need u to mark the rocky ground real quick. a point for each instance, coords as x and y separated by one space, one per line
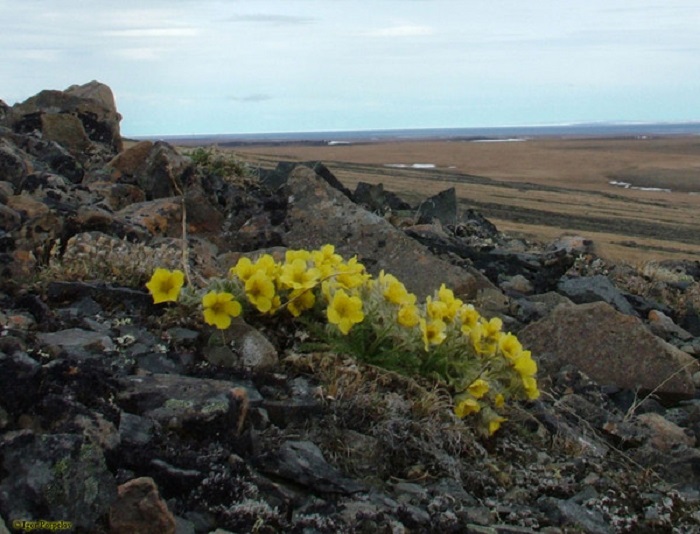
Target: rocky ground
117 415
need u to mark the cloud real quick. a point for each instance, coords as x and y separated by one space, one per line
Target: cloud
253 97
273 19
153 32
139 54
404 30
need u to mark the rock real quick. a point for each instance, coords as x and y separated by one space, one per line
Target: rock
572 244
92 104
156 168
139 509
302 462
78 343
594 289
664 435
252 350
194 405
664 327
319 214
517 284
57 476
612 348
14 165
442 207
374 198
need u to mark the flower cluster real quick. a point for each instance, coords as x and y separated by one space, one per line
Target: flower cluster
378 321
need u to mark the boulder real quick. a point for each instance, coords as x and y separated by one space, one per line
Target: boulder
612 348
157 168
139 509
442 207
91 104
319 214
594 289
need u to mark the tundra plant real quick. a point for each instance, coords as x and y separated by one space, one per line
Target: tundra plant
375 319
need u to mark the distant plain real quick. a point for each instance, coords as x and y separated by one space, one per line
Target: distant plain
538 188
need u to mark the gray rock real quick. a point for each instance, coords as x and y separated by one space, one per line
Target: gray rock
135 430
442 207
190 404
303 463
77 342
595 289
612 348
54 476
570 514
318 214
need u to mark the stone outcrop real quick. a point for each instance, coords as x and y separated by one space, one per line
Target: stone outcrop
319 214
124 416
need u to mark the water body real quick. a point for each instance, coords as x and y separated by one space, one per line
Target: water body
495 134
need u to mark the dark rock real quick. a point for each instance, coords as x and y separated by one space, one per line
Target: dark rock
442 207
302 462
376 199
595 289
320 215
54 476
14 166
195 405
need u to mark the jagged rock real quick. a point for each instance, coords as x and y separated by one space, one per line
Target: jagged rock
664 327
302 462
92 104
612 348
139 509
14 166
157 168
375 198
251 350
57 476
319 214
442 207
190 404
79 343
594 289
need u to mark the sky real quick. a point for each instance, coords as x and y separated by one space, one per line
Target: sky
181 67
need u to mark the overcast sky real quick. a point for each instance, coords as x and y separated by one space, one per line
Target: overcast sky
244 66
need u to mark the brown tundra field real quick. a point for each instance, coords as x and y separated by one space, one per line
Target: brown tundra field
539 188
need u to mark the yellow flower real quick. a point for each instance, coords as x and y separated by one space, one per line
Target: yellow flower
296 275
495 424
467 406
492 327
509 346
394 291
408 316
469 317
299 301
345 311
326 256
483 345
243 269
260 291
478 388
452 305
433 332
436 309
219 308
165 285
499 400
351 274
524 364
267 264
292 255
530 385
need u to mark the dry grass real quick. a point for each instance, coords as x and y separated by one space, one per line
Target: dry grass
541 188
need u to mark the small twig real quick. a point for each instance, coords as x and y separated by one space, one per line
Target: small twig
185 246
